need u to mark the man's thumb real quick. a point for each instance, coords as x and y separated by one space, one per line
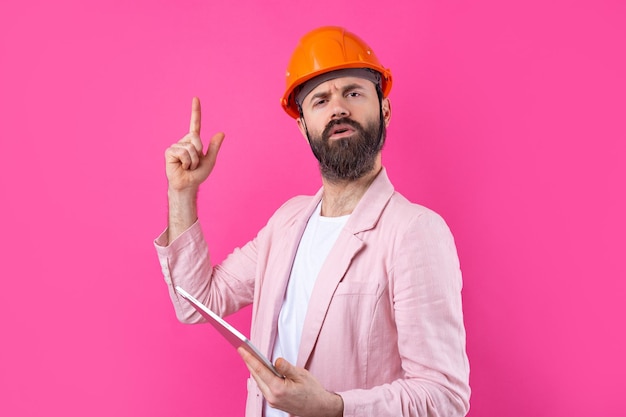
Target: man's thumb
214 145
284 367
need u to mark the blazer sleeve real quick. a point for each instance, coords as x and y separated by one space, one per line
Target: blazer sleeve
425 286
224 288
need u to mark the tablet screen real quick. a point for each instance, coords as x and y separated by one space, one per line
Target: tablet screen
234 336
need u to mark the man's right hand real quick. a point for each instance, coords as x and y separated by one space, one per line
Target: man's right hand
186 167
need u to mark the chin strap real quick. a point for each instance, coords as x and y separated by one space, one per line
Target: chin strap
381 127
306 130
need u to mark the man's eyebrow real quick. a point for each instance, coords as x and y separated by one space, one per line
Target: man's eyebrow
319 94
353 86
326 93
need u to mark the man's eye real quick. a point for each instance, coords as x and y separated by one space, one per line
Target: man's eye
353 94
318 102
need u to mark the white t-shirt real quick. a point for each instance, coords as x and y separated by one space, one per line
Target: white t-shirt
318 239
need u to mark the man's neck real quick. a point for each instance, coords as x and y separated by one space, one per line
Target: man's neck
340 198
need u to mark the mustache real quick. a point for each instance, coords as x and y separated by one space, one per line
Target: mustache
343 121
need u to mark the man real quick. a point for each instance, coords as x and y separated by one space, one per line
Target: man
356 292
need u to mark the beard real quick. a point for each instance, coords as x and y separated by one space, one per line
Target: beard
348 158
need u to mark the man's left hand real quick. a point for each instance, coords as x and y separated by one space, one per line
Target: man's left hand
299 393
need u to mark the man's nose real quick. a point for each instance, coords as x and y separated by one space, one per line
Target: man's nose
339 108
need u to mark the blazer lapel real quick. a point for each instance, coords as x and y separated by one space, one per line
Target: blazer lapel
272 290
348 244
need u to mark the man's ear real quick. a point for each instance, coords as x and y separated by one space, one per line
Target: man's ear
386 111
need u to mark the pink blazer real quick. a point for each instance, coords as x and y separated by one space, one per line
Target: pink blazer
384 327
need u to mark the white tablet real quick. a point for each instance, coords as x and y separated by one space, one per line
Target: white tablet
234 336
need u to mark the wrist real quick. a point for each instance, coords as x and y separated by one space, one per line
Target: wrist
183 211
337 405
186 195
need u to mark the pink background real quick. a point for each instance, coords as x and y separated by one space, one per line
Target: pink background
509 120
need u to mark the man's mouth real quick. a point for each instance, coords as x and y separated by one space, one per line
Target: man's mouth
341 131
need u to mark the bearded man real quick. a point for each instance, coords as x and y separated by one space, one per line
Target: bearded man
356 291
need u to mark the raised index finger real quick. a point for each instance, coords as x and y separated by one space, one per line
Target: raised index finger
194 123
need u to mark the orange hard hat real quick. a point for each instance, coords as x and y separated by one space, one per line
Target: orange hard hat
326 49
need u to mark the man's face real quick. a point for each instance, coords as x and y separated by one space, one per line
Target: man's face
342 119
